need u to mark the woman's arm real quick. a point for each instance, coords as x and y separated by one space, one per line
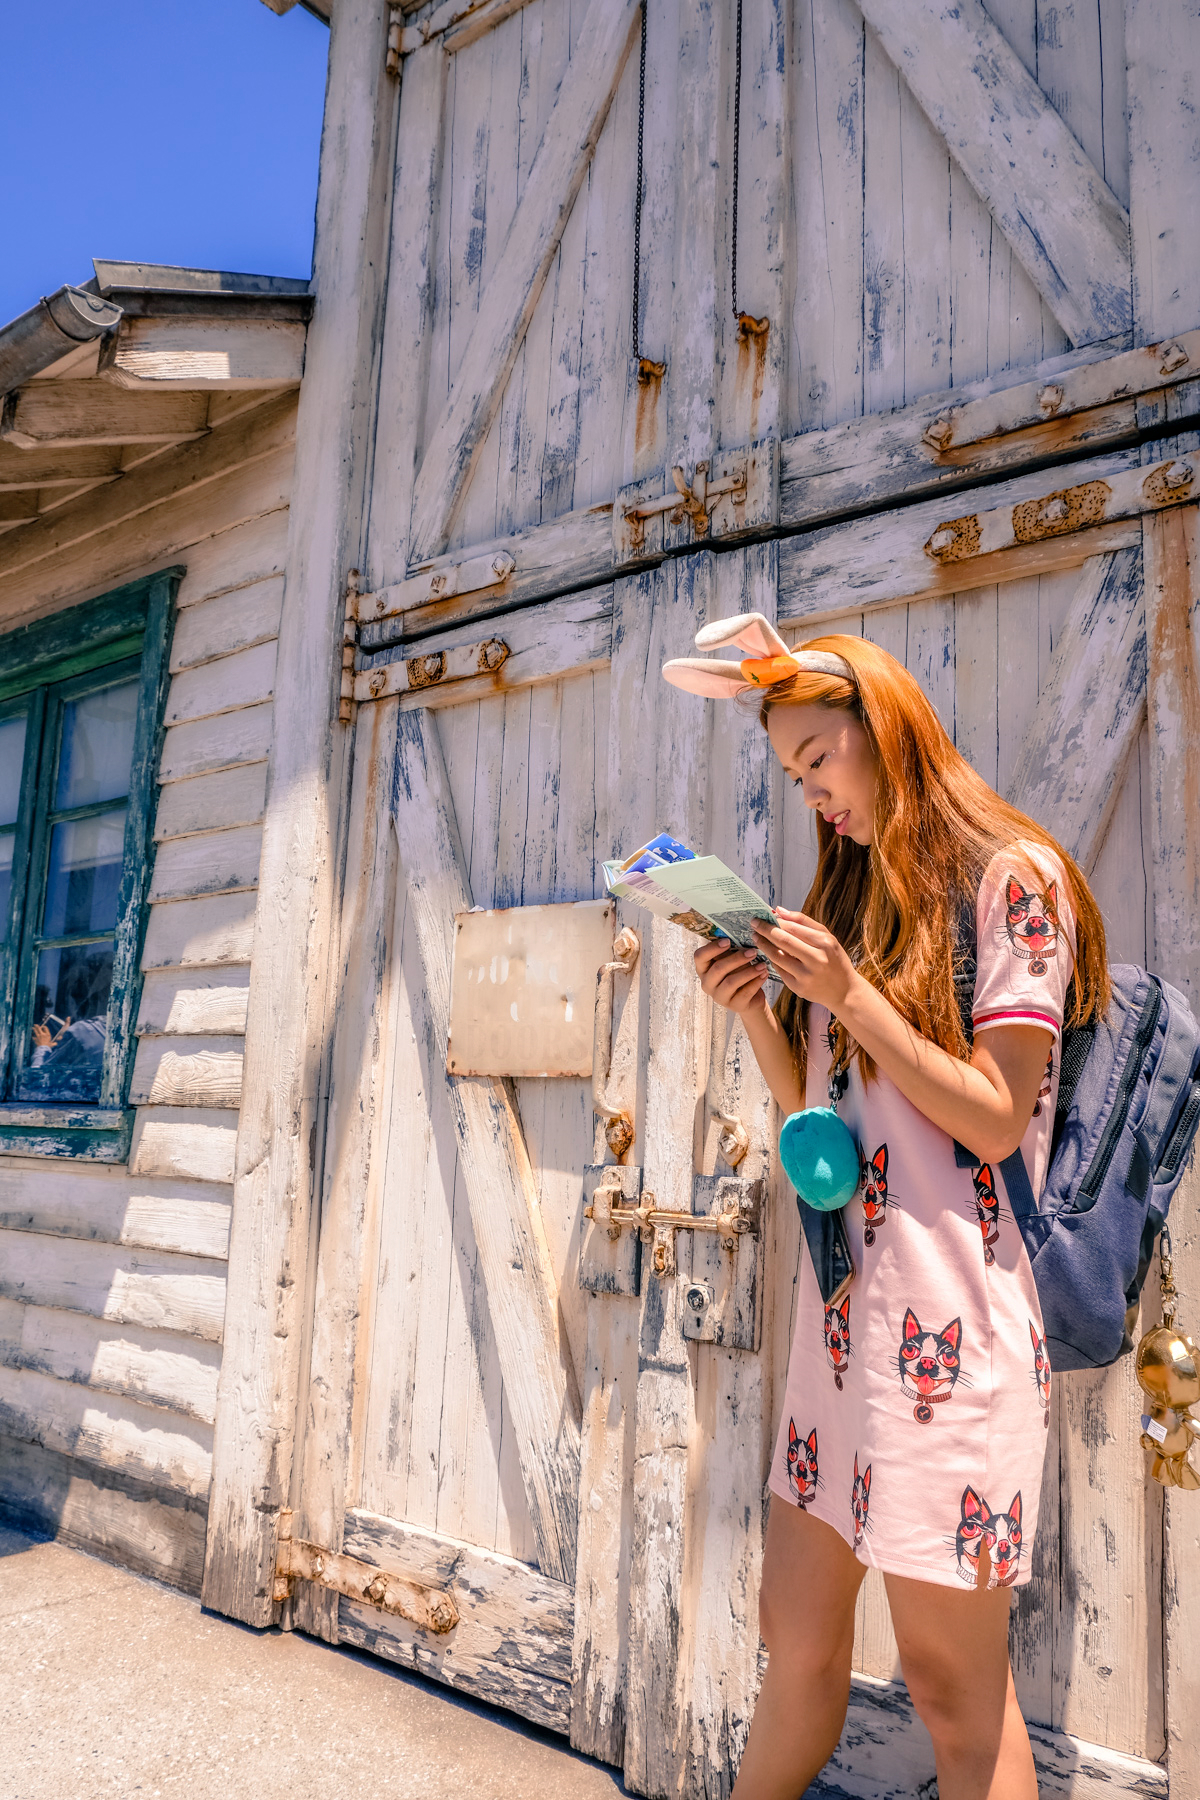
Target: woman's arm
735 980
986 1104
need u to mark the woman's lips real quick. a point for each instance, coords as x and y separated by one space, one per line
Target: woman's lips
838 820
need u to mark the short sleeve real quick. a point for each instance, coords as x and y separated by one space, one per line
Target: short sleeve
1025 935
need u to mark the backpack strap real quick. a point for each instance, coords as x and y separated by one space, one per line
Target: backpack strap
1168 1086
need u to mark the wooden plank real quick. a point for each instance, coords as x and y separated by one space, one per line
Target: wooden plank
347 1278
187 1142
231 355
162 1449
404 360
884 1754
506 306
204 746
125 1521
665 786
211 862
1089 711
512 1646
235 474
147 1288
522 1302
194 1003
253 551
184 1071
231 621
226 685
1068 229
68 415
211 802
24 469
218 929
869 562
113 1207
1161 56
286 1030
155 1367
1171 547
545 644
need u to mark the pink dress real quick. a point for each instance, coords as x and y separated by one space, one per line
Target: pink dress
915 1413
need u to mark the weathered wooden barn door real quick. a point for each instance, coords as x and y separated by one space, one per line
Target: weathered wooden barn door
507 1408
585 442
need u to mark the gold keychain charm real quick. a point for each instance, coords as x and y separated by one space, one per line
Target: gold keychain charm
1168 1371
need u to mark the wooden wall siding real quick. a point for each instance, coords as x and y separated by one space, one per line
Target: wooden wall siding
437 1443
112 1281
983 657
884 274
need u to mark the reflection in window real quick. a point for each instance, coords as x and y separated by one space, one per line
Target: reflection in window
12 757
84 858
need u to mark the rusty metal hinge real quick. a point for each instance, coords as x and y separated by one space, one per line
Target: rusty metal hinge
736 491
431 1608
436 669
349 645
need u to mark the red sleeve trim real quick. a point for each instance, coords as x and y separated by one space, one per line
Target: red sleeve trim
1018 1016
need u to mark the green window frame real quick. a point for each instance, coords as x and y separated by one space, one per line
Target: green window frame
122 636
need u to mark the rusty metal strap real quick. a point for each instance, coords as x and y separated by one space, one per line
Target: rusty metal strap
433 1609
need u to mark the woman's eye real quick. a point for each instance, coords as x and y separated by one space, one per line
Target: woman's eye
818 762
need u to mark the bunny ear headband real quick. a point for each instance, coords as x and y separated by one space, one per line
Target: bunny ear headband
766 661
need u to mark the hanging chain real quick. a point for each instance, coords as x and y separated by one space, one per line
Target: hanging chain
737 148
1167 1279
637 205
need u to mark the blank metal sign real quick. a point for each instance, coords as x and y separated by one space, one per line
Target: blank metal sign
523 988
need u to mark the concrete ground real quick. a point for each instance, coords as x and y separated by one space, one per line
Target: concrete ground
113 1687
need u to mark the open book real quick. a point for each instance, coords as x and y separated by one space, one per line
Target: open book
700 892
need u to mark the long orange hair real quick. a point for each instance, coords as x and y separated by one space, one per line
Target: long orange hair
896 905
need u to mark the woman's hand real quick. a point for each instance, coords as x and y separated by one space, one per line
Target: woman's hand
733 978
808 957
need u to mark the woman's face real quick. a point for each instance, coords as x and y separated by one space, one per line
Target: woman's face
828 753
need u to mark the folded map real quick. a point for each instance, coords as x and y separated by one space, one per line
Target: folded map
699 892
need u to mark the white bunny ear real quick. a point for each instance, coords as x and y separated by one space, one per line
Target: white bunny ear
710 676
753 634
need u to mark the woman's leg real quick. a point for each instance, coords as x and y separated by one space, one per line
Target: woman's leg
954 1656
806 1617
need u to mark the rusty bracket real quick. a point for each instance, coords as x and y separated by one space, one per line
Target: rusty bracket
349 645
618 1124
658 1225
694 500
437 669
433 1609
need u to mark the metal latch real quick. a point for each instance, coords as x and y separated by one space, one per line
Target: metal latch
433 1609
658 1225
693 500
618 1124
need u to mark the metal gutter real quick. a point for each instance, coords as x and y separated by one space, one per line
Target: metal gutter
57 324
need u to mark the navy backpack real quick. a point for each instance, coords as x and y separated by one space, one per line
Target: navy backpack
1124 1124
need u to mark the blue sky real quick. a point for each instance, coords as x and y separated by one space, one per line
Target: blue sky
173 131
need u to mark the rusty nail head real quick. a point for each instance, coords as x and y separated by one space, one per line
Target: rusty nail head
377 683
503 565
437 584
1178 474
1173 357
938 434
1051 397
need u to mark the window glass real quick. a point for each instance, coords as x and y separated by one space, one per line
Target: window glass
12 758
83 877
6 863
70 1011
96 746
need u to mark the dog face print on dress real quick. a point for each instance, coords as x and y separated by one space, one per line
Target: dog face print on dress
1041 1370
860 1501
929 1363
837 1339
1032 923
875 1193
1003 1533
802 1465
968 1540
987 1207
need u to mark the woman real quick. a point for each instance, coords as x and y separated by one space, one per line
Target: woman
914 1420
